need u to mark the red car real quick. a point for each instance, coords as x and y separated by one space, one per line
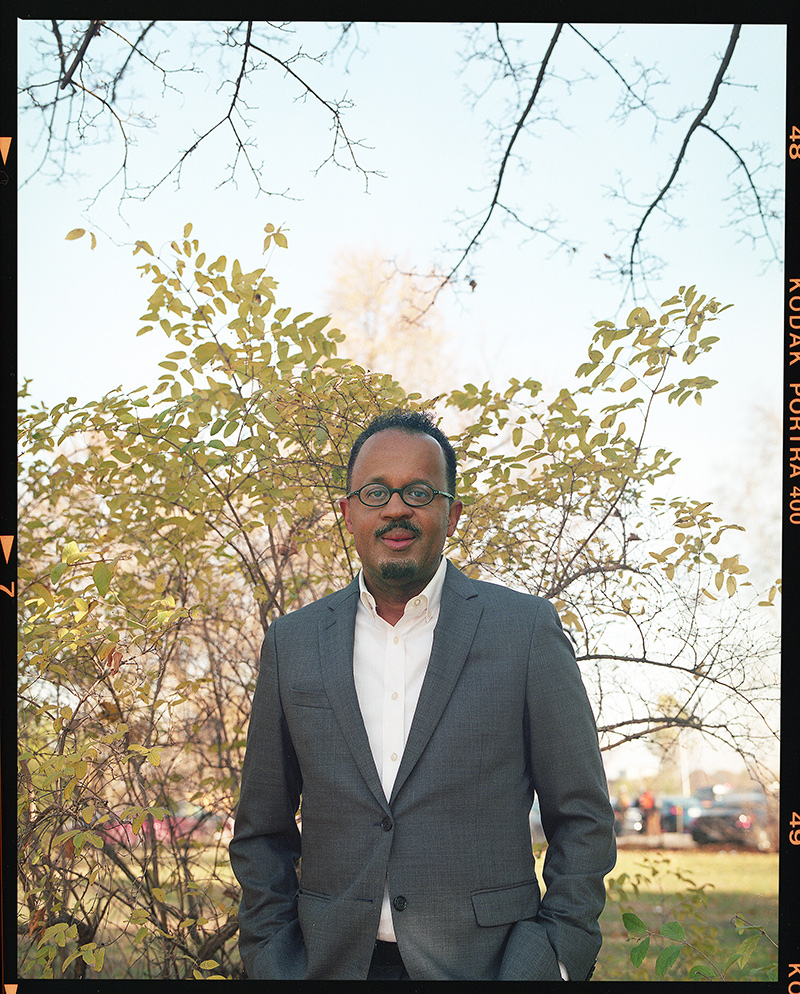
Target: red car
187 824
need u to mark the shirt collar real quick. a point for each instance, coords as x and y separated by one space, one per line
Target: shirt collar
426 602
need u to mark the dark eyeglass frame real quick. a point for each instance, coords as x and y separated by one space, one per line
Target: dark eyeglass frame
399 490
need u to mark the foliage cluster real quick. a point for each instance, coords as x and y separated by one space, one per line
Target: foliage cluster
688 945
163 531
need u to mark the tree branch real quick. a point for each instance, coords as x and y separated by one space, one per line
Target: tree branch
712 96
750 180
91 32
504 162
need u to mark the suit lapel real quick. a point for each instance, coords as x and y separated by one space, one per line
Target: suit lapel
459 614
337 636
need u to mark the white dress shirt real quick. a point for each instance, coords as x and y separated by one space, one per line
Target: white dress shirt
389 665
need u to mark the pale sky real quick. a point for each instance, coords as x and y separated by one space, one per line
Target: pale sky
531 314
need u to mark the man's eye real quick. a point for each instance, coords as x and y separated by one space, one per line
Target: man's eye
417 493
374 493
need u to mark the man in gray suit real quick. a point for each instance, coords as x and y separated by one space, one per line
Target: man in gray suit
417 711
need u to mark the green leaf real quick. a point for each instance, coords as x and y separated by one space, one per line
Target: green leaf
205 351
666 959
101 575
639 952
746 948
633 923
674 931
58 571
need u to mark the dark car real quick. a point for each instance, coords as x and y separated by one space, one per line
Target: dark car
678 813
629 821
734 818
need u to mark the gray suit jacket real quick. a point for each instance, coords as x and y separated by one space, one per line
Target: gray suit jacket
502 712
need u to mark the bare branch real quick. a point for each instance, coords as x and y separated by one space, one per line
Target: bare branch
91 32
638 101
712 96
334 109
751 182
504 162
135 49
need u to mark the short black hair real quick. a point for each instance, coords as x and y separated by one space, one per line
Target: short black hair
412 422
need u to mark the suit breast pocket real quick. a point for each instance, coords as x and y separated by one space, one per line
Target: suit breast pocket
308 698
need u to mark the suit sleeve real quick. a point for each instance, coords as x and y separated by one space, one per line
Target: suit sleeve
569 778
266 842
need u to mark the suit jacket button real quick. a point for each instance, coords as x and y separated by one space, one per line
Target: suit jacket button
386 824
400 903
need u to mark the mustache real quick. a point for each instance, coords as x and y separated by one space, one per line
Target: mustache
406 526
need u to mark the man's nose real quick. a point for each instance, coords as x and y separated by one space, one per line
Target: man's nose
396 507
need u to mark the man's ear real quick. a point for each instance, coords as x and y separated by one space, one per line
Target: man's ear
344 507
455 513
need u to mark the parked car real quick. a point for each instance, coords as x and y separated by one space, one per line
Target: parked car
737 818
678 813
186 824
630 821
115 832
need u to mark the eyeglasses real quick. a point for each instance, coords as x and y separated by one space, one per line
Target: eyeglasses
414 494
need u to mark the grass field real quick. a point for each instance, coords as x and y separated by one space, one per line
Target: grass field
703 891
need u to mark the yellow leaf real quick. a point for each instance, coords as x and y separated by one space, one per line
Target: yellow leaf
75 233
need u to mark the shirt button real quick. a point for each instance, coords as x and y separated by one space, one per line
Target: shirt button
394 696
400 903
396 639
386 824
394 757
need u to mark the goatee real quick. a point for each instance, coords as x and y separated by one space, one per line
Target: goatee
398 571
